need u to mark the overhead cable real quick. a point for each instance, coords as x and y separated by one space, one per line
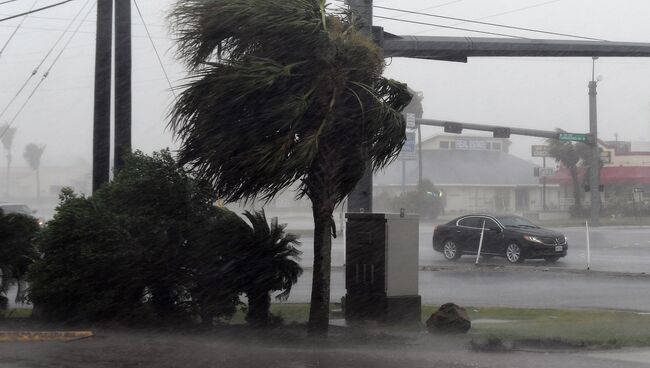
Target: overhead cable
450 27
35 10
486 23
35 71
49 69
4 47
162 65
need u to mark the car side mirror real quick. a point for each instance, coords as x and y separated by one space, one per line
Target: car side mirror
495 229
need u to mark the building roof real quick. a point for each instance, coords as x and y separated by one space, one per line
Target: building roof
462 167
609 175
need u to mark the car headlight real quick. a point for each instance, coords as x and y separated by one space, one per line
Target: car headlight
533 239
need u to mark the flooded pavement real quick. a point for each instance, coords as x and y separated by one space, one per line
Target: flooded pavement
119 349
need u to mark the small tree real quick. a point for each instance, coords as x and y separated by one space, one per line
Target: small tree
33 154
271 265
7 134
17 251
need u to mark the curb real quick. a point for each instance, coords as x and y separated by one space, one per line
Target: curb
33 336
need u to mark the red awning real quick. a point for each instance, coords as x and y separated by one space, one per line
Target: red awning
608 175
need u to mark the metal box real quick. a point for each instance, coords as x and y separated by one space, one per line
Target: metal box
381 270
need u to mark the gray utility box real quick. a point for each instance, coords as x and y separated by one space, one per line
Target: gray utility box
381 268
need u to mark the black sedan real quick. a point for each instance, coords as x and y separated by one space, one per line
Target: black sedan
509 236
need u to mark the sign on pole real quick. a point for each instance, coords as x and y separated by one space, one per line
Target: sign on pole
606 157
574 137
408 150
539 150
410 120
544 171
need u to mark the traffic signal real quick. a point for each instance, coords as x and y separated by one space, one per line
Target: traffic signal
501 132
455 128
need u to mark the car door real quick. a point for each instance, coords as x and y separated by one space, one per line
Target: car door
468 232
492 238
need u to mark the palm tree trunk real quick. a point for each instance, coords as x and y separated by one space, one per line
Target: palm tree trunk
38 186
8 173
259 307
320 291
576 187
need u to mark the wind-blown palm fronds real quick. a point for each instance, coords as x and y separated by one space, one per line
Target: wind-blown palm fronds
283 91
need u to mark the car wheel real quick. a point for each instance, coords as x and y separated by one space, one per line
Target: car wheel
551 259
450 251
514 253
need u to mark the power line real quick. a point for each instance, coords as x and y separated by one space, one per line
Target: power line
47 73
485 23
7 2
162 65
15 30
35 71
450 27
35 10
501 13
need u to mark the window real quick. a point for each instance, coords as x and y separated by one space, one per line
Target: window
475 222
444 144
490 224
496 146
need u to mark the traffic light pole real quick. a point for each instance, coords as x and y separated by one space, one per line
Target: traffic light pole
594 167
360 200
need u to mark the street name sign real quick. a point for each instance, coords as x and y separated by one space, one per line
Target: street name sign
574 137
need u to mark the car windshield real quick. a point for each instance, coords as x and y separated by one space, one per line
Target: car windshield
516 221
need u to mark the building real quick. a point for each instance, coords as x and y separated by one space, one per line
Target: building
625 171
475 174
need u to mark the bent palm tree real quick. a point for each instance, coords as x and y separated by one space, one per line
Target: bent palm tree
283 91
33 154
7 134
565 153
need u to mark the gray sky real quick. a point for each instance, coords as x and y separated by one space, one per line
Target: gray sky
534 93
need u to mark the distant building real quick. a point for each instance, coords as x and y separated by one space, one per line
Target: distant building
626 167
475 174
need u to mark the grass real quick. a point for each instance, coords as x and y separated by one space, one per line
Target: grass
16 313
575 327
570 326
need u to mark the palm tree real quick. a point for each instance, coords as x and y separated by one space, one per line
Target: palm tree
7 134
284 91
572 156
271 265
33 154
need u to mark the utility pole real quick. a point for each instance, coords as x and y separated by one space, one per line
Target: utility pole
122 82
102 109
360 200
594 170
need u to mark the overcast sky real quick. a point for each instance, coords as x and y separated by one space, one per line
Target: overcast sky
541 93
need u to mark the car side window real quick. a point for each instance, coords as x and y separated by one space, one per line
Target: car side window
470 222
490 224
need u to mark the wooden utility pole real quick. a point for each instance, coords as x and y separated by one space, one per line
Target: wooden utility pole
102 110
122 81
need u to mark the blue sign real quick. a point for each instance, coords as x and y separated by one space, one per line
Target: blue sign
408 150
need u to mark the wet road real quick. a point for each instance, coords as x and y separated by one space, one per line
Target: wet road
163 350
613 249
619 258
